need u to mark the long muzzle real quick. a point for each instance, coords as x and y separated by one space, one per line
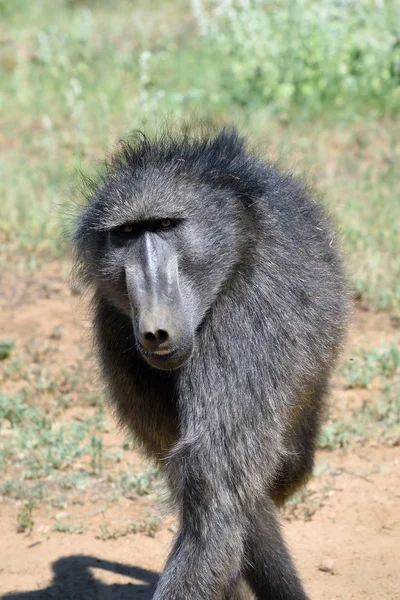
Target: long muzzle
160 320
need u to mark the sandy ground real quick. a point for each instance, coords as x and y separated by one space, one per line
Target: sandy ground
346 547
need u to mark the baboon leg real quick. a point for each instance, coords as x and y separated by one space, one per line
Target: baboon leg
268 568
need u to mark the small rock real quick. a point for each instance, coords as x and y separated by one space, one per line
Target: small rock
62 515
54 286
57 332
43 529
327 566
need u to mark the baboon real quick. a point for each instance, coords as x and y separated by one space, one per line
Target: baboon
219 308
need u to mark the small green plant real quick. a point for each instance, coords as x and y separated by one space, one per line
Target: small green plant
138 485
377 418
149 526
17 412
305 503
67 528
97 454
360 371
25 521
6 347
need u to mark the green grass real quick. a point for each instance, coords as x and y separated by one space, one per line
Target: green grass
298 76
49 456
39 446
368 210
366 365
54 450
378 416
47 451
355 169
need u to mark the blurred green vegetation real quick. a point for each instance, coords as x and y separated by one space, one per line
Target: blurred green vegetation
377 416
316 84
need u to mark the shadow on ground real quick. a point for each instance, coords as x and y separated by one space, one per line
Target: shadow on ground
73 580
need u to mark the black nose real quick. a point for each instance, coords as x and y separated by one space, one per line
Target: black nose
152 340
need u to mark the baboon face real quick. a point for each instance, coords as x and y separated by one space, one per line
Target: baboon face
159 247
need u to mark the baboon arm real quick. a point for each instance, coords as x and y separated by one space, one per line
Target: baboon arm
206 560
218 470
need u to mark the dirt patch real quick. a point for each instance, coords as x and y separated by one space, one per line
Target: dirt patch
106 535
356 533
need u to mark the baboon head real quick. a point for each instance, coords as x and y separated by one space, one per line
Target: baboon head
159 237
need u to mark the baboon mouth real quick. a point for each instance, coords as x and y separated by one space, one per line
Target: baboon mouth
164 353
167 359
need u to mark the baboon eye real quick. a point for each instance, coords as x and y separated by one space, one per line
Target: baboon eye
165 223
137 228
127 228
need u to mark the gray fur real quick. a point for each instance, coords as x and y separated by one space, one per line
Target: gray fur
257 304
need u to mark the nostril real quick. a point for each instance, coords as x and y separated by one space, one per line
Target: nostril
162 336
149 336
152 340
